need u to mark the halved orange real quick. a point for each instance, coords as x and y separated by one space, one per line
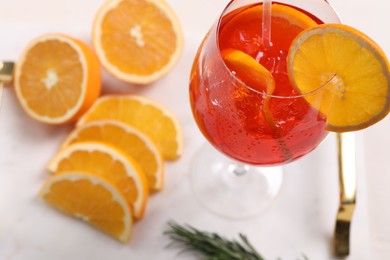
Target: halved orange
91 199
129 140
351 67
144 114
57 78
110 163
137 41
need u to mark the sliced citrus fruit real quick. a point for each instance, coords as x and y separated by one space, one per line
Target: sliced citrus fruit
144 114
252 74
91 199
256 77
137 41
129 140
286 23
57 78
247 69
112 164
352 69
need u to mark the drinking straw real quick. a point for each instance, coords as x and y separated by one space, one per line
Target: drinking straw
266 26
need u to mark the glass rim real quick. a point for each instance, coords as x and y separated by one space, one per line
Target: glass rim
263 93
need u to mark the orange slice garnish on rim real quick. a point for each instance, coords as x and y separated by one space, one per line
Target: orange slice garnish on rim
353 67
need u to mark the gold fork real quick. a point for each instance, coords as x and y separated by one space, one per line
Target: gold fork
347 179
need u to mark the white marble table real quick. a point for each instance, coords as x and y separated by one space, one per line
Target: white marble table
301 220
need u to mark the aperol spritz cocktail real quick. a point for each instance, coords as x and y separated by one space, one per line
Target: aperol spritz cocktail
231 115
238 115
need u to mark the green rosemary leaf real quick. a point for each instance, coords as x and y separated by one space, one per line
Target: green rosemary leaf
211 245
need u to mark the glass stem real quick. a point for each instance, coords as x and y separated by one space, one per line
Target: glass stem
239 169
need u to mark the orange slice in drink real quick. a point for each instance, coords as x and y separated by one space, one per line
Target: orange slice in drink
249 71
286 23
57 78
252 74
144 114
352 69
129 140
91 199
110 163
256 77
137 41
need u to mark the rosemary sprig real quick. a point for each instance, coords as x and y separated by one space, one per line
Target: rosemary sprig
211 245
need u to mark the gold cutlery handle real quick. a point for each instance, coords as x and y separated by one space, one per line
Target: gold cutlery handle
347 178
6 71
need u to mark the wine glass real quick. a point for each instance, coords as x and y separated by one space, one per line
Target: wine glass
252 132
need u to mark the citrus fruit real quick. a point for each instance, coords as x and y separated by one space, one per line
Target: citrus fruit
129 140
91 199
352 70
110 163
57 78
144 114
248 70
252 74
137 41
286 23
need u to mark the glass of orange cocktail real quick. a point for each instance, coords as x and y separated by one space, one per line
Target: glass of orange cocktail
252 118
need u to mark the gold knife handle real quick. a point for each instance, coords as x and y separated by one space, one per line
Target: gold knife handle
347 173
6 71
347 179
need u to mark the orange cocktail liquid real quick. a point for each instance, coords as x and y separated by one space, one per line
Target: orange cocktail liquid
231 116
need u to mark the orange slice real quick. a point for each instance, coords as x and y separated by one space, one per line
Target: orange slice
91 199
286 23
57 78
256 77
248 70
110 163
137 41
353 68
130 141
144 114
252 74
295 18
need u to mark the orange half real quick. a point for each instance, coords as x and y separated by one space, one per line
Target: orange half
57 78
137 41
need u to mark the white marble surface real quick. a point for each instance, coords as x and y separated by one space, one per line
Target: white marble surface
301 219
